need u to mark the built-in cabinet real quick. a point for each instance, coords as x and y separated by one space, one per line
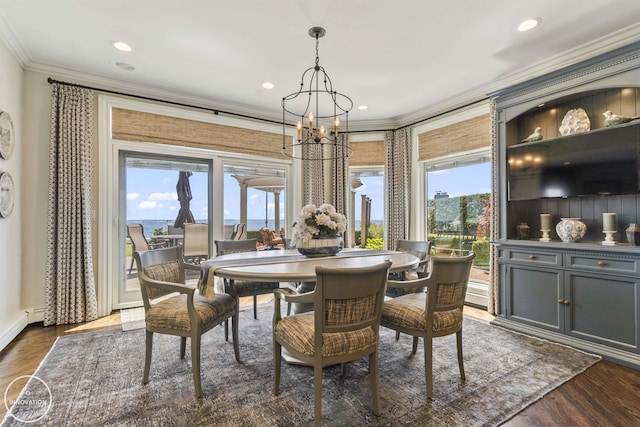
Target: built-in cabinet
583 294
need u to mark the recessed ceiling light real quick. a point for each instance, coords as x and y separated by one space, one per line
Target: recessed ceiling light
267 85
122 46
362 107
529 24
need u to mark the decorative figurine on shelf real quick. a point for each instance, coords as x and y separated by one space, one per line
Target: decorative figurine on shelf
575 121
535 136
612 119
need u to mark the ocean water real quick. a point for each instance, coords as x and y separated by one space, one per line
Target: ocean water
149 225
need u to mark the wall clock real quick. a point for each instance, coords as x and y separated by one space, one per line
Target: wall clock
7 135
7 194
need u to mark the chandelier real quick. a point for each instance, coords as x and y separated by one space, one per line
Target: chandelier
318 109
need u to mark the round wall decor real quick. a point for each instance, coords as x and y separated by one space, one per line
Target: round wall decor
7 194
7 135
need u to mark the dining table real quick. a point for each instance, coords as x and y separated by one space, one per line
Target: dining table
288 265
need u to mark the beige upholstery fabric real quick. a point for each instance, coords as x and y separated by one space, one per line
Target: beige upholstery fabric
299 332
408 311
169 272
172 313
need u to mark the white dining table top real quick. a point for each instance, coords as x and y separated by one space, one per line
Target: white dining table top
288 265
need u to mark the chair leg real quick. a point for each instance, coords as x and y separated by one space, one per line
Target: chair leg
343 369
428 363
183 346
226 330
415 345
460 361
195 363
277 365
373 374
234 333
255 307
147 357
131 266
317 392
397 335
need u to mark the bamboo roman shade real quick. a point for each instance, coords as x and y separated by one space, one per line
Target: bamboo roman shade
456 138
130 125
367 153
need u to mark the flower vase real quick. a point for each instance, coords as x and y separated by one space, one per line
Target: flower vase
319 246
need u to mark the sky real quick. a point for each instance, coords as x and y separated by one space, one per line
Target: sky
151 194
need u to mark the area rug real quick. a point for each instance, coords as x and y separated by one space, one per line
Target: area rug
95 379
132 318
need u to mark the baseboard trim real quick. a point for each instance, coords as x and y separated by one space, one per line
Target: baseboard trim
14 329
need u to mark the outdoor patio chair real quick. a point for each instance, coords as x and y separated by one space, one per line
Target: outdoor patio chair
135 232
238 231
188 315
436 313
196 242
343 327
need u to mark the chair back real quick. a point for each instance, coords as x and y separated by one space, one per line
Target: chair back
448 282
158 265
418 248
238 231
174 230
196 240
349 299
226 247
136 235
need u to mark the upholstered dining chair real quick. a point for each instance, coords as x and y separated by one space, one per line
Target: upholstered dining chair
196 242
242 288
161 272
139 242
434 313
422 250
343 327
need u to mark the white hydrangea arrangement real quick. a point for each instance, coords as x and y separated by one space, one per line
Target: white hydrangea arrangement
321 221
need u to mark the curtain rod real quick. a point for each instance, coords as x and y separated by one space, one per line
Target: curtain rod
217 111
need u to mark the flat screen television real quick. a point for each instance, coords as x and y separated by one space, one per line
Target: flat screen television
600 162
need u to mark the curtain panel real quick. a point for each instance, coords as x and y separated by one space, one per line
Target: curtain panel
492 305
70 288
341 180
397 182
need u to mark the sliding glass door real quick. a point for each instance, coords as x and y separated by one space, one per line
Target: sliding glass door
157 194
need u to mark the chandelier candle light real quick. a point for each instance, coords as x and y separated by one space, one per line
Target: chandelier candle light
318 109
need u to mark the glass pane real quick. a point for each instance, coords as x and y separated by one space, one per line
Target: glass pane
264 204
458 207
369 195
150 198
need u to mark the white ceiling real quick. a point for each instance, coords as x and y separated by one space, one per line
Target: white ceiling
404 59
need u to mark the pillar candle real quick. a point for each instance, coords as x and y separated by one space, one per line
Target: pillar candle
545 221
608 221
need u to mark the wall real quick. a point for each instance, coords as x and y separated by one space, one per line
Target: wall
12 318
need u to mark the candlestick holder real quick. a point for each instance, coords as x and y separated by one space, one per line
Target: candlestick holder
608 240
545 236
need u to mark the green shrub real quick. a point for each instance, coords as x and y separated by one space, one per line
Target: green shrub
375 243
481 248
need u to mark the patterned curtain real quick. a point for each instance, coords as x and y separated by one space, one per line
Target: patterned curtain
397 180
341 179
70 288
492 305
313 174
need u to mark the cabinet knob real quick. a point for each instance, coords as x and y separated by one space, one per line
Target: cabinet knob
563 301
602 263
532 257
566 302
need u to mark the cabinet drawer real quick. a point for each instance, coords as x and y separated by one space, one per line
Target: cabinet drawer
534 257
602 263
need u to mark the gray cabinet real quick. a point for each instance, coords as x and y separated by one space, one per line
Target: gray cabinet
573 294
585 294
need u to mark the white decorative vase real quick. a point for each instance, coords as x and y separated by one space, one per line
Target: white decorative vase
571 230
320 246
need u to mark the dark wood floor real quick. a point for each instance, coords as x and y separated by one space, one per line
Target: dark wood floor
606 394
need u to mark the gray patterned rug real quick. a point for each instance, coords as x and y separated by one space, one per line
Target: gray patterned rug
95 379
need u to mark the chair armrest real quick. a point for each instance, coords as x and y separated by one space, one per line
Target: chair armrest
170 286
289 295
420 282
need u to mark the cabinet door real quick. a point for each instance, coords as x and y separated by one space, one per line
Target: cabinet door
532 296
603 309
